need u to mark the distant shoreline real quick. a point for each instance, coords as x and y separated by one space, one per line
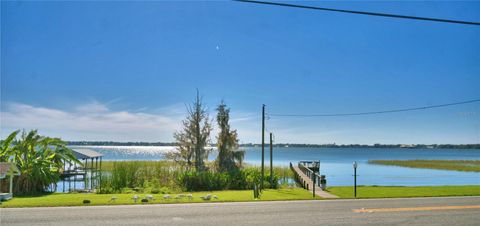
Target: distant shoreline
283 145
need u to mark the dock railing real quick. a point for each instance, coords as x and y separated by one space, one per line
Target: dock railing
307 166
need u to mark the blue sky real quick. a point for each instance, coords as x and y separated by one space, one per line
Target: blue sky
124 71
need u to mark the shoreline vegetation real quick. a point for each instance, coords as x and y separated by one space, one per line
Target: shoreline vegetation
164 177
456 165
282 145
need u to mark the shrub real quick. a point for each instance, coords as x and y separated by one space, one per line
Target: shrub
203 181
86 201
163 190
235 180
155 191
274 185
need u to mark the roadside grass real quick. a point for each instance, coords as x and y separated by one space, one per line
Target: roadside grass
76 199
457 165
61 199
404 192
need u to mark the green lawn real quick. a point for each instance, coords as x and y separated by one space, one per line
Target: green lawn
458 165
398 191
61 199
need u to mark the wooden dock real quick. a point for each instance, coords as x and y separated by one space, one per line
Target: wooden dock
308 184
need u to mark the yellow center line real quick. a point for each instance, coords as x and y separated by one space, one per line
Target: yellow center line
423 208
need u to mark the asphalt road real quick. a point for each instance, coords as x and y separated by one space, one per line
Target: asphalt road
414 211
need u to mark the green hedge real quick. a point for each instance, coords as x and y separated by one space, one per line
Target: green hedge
236 180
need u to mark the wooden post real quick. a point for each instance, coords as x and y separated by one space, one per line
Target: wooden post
85 175
100 180
11 184
91 172
313 180
263 147
70 183
271 161
74 178
96 171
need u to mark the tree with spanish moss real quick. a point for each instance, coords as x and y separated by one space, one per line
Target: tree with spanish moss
229 157
193 138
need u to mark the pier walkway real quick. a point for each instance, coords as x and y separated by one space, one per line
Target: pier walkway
304 176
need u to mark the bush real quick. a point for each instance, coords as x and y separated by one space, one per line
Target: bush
86 201
235 180
163 190
274 185
203 181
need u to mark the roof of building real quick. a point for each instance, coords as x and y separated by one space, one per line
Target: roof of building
83 153
8 167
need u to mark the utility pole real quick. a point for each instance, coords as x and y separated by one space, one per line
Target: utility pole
263 147
271 161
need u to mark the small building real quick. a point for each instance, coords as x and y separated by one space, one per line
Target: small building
8 169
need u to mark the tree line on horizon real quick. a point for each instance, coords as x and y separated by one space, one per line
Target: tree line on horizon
435 146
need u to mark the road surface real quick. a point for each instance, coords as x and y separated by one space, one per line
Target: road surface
413 211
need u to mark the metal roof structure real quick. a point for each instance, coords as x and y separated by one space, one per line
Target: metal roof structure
83 153
7 168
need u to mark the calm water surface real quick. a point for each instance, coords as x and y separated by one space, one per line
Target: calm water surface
336 163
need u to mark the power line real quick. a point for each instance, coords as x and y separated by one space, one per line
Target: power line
362 12
375 112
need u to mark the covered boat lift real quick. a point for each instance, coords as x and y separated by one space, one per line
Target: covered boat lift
89 173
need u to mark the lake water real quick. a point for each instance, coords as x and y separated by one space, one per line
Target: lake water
336 163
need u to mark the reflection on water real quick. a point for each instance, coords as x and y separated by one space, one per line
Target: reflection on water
336 163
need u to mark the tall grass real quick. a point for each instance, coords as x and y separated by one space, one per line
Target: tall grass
138 175
165 176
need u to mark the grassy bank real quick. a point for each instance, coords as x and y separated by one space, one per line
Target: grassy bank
458 165
61 199
399 191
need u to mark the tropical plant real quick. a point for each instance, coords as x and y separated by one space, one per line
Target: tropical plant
193 138
6 150
229 157
40 160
